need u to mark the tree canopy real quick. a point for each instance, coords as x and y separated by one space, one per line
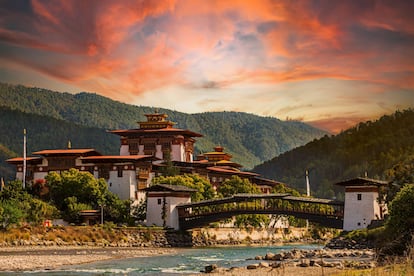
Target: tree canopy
72 191
401 210
203 186
236 185
18 205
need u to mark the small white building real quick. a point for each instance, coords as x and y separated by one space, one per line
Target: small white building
162 201
362 202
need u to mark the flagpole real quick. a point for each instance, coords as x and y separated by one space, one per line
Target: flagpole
307 193
24 158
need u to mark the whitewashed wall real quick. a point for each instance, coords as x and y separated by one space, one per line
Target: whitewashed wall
359 213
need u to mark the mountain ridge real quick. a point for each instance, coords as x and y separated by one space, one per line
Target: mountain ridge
371 148
251 139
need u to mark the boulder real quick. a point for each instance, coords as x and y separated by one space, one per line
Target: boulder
278 257
253 266
304 263
276 265
210 268
269 256
264 264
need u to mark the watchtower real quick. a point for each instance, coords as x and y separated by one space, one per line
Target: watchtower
362 202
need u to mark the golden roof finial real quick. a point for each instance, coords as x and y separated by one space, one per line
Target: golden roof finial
69 144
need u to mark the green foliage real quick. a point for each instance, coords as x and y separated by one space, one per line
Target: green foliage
73 207
401 174
372 147
73 183
139 211
236 185
256 221
30 209
116 210
401 211
168 169
72 191
282 189
39 211
13 190
203 186
357 235
10 213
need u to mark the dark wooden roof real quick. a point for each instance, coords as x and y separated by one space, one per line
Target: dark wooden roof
29 160
61 152
313 200
169 188
163 131
244 197
362 181
117 158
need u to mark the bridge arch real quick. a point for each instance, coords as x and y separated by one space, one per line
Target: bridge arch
325 212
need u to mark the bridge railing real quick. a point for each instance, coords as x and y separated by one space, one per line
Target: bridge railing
264 204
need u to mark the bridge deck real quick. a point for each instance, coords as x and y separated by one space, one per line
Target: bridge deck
323 211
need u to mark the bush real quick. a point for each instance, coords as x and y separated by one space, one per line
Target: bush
10 213
401 211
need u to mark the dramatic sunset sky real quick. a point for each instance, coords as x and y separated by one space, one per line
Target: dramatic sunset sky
328 63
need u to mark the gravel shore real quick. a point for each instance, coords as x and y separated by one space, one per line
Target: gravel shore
34 258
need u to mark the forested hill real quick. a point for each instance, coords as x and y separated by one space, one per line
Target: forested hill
249 138
372 147
46 133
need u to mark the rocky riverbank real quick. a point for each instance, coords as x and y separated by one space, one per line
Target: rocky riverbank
316 260
346 243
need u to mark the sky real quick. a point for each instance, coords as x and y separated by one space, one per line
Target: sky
328 63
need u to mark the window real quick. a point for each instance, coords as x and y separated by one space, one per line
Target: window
119 171
159 201
103 172
359 196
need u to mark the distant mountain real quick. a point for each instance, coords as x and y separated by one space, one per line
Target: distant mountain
249 138
370 147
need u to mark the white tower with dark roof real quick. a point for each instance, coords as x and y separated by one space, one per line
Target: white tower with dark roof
362 202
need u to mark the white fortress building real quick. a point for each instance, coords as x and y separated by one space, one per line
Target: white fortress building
127 176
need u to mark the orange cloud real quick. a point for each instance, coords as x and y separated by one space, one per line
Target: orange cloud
124 49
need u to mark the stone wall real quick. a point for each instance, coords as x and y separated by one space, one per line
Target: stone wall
153 237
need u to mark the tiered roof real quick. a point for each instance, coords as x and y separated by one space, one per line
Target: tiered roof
156 124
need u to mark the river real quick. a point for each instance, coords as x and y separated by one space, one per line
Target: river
185 262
